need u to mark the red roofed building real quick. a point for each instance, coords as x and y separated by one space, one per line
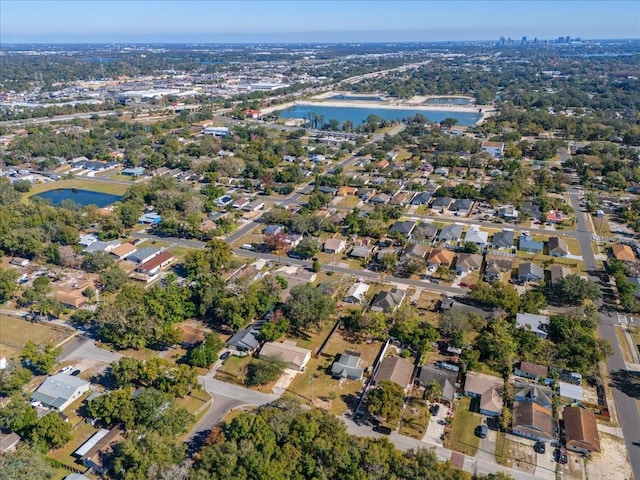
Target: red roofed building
153 266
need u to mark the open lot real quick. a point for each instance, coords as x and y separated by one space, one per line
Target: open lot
515 454
15 332
612 462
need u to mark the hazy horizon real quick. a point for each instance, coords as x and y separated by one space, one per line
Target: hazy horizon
244 21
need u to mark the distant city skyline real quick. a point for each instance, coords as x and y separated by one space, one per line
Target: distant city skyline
248 21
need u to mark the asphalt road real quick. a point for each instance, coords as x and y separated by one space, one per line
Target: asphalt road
626 405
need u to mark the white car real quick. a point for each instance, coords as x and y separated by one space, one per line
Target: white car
66 370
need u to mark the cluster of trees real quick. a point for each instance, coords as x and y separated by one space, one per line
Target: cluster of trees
626 289
157 373
49 431
284 441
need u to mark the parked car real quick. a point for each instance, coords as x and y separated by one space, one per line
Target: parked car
382 429
66 370
540 447
560 456
225 355
434 409
482 431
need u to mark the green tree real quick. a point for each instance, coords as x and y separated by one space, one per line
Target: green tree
8 284
22 186
496 344
112 280
25 463
219 255
308 308
574 290
13 378
40 357
386 400
264 370
206 353
51 431
532 301
136 455
317 266
95 262
307 247
112 408
18 415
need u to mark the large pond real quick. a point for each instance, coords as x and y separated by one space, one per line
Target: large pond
359 114
81 197
447 101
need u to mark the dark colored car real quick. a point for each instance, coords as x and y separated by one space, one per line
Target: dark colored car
540 447
434 409
482 431
382 429
75 373
225 355
560 456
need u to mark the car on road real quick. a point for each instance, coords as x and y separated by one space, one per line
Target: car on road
540 447
435 280
382 429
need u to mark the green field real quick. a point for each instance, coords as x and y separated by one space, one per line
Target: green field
15 332
81 184
461 435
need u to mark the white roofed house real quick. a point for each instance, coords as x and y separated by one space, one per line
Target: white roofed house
295 357
495 149
334 245
357 293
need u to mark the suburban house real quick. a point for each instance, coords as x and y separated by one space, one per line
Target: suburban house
532 371
468 262
347 366
88 239
570 393
245 340
581 430
403 228
538 324
623 252
508 212
253 206
395 369
345 190
558 247
533 421
530 392
388 301
424 232
450 233
295 357
380 198
503 239
157 263
415 250
123 251
442 171
357 293
273 229
334 245
19 262
133 172
442 203
440 256
96 453
557 273
421 198
528 244
475 235
143 255
488 389
495 149
444 378
530 272
400 198
150 218
462 206
59 391
495 267
8 442
101 246
362 252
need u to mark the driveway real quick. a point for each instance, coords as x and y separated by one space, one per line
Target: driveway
487 446
435 429
545 466
87 355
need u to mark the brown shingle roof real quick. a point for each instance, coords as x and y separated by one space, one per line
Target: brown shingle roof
395 369
580 428
623 252
532 418
533 368
441 257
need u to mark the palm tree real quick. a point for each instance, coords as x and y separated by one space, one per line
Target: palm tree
433 390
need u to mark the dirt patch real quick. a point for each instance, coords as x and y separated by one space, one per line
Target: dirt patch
612 462
515 454
325 404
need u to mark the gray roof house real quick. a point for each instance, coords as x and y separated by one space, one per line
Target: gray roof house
503 239
477 236
388 301
538 324
558 247
421 198
59 391
415 250
424 232
528 244
347 366
442 203
403 228
446 379
530 272
450 233
143 255
245 340
468 262
462 205
530 392
395 369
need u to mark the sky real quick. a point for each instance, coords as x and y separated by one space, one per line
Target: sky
207 21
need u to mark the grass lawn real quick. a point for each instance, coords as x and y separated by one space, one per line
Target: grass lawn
87 183
350 201
460 435
601 226
230 370
14 333
502 450
80 435
193 401
415 418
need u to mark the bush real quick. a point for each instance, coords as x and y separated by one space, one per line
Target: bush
265 370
